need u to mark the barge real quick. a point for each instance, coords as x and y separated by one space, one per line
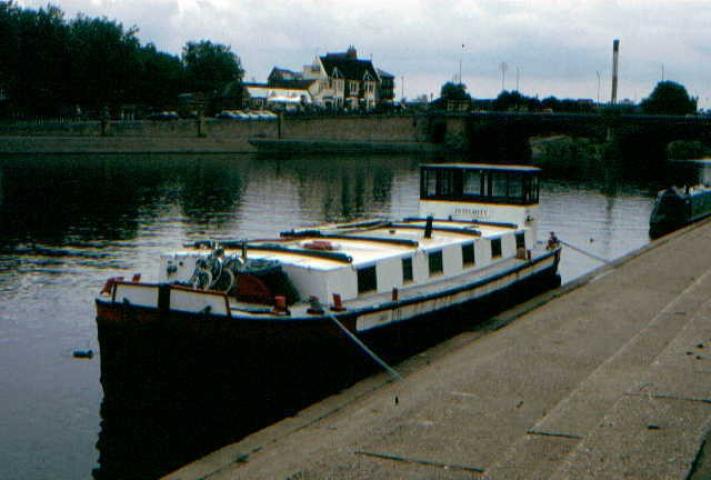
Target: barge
474 238
675 207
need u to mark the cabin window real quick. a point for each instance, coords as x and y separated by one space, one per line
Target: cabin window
515 188
407 270
520 240
367 279
467 254
530 189
429 184
495 247
435 261
499 186
473 184
445 183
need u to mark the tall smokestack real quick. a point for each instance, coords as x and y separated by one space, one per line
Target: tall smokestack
615 58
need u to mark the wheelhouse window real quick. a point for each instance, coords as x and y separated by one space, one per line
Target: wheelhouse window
467 254
367 279
435 262
517 185
495 247
474 183
520 240
407 270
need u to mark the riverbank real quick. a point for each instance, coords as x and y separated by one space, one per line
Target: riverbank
606 378
371 133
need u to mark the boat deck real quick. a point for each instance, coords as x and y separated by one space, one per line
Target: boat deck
362 245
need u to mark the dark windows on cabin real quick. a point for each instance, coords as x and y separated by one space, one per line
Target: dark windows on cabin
520 240
467 254
514 187
473 181
494 186
435 262
495 247
499 186
367 279
407 270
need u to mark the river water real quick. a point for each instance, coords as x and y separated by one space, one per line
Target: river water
67 223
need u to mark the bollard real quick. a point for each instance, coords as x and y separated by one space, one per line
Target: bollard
280 305
337 303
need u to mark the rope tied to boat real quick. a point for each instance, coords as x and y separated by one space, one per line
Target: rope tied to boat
393 373
584 252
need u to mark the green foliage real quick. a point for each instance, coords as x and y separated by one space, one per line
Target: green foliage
104 62
210 66
515 101
161 77
50 65
685 149
567 153
454 91
669 98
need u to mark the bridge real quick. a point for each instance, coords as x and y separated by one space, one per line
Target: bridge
506 135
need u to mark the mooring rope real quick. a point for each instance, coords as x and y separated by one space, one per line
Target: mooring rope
393 373
580 250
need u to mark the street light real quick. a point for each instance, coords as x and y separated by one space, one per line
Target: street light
598 86
504 67
518 73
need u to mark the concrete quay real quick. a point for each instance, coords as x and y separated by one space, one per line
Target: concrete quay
606 378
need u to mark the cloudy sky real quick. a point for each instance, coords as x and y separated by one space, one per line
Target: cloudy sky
557 46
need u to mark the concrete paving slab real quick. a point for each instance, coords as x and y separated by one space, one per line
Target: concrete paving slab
581 410
641 438
683 369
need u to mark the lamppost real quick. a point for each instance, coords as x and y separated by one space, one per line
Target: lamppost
598 86
460 65
518 74
504 67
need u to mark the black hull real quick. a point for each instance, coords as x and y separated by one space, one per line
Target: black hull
182 386
675 209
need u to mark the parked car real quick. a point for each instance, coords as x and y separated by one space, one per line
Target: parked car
246 115
165 115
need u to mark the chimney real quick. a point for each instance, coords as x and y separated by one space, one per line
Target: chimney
615 58
351 52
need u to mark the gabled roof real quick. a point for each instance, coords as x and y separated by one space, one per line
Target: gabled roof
350 68
285 74
384 74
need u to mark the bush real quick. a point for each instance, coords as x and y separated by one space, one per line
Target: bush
685 149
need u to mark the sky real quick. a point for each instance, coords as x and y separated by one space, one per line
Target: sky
549 47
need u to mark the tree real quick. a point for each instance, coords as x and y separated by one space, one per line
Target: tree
210 66
669 98
161 77
454 91
104 62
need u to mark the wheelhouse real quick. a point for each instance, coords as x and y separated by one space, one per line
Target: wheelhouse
481 193
480 183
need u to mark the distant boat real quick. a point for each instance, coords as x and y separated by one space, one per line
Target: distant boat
475 237
308 146
676 207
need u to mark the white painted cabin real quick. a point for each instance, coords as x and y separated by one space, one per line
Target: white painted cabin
482 216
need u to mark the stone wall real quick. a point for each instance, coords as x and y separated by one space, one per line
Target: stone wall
208 135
